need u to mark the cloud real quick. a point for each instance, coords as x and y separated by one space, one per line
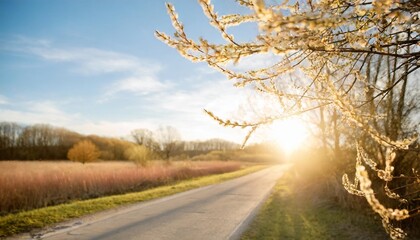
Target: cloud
3 100
98 62
37 112
114 129
89 60
215 94
44 107
191 122
137 84
183 108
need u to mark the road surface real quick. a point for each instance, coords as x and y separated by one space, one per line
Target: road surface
220 211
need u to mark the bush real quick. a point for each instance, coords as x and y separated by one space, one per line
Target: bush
83 151
138 154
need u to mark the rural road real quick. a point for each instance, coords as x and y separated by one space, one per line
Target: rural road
219 211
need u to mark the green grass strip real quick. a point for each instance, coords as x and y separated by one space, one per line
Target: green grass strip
38 218
286 216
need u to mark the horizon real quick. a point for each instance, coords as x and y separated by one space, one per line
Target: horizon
128 137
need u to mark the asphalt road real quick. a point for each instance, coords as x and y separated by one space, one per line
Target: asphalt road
220 211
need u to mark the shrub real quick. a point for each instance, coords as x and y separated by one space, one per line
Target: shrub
83 151
138 154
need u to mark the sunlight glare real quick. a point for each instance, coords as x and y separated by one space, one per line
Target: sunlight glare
289 134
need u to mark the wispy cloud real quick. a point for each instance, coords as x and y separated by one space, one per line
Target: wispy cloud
184 108
217 94
37 112
44 107
3 100
114 128
138 75
142 84
96 61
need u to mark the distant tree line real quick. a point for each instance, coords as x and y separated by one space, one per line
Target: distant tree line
46 142
166 140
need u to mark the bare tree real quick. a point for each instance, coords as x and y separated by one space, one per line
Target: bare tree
146 138
9 134
143 137
168 139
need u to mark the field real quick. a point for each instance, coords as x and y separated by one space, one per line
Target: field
36 184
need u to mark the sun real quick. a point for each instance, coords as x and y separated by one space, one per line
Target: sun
289 134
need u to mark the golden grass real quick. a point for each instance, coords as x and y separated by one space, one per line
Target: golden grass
29 185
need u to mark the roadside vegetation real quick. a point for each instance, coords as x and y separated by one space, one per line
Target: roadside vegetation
310 202
38 218
35 184
290 214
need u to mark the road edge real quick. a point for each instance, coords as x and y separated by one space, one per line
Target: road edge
246 222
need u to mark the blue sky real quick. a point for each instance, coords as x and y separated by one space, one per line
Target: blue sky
95 67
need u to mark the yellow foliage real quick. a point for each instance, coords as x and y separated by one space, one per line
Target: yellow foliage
138 154
83 151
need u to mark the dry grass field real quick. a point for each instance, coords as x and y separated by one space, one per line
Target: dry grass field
29 185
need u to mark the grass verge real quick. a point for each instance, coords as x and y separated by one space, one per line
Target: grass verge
26 221
288 216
